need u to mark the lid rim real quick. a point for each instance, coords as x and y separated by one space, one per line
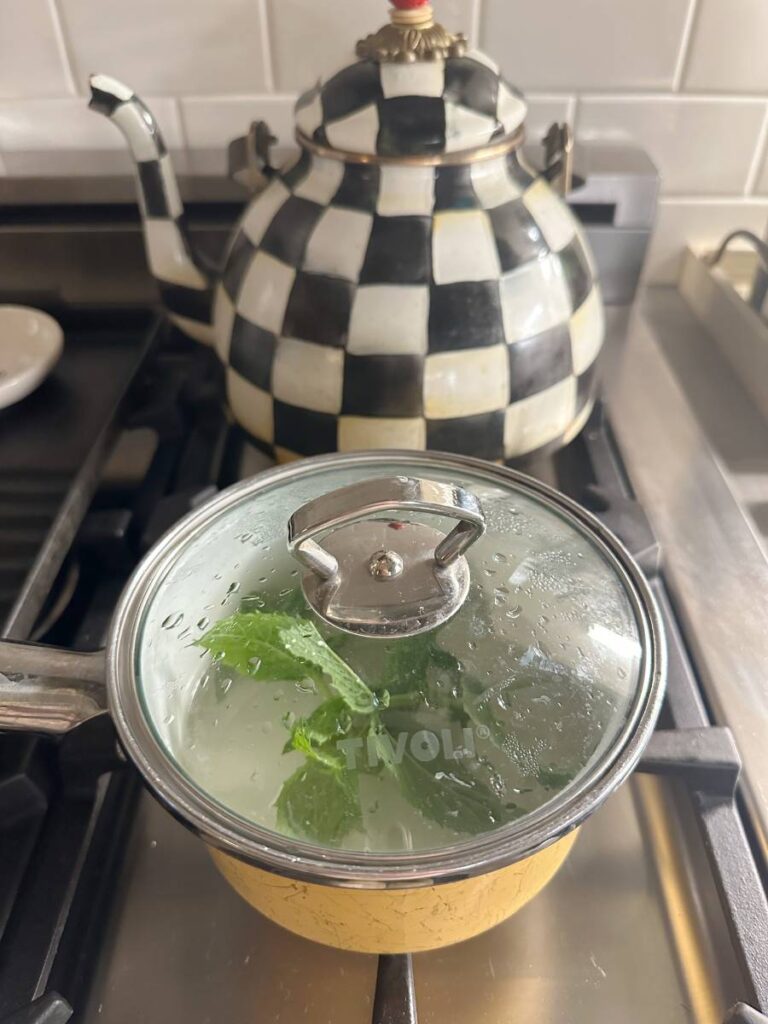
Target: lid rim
272 851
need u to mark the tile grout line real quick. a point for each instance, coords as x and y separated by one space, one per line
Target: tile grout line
689 98
266 46
186 148
685 46
758 157
477 21
573 109
735 201
61 41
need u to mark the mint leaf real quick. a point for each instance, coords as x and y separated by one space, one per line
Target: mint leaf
315 735
319 803
331 721
321 753
251 643
269 645
554 778
302 640
452 797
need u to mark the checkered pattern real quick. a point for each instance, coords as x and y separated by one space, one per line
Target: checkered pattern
392 110
445 307
185 287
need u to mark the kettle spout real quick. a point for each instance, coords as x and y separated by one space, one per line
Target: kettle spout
185 285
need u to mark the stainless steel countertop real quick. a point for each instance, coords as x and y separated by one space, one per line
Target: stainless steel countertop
715 564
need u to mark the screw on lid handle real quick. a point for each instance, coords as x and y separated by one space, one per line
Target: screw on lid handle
385 577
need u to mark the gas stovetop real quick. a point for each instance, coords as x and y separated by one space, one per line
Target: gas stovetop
110 912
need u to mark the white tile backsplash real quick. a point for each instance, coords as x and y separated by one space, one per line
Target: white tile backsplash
686 79
310 39
32 61
213 121
728 47
594 44
697 223
65 124
761 184
679 135
172 47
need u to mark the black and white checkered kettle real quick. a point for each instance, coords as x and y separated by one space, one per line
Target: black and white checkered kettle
406 282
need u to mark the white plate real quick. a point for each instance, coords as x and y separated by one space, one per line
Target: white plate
30 345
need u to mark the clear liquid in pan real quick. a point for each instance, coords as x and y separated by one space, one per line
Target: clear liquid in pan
519 694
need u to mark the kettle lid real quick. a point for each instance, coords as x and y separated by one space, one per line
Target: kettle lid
417 90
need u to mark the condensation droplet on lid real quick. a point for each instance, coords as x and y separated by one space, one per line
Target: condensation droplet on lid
203 623
255 663
173 620
500 558
489 572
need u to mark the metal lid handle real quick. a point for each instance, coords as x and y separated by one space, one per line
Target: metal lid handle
374 497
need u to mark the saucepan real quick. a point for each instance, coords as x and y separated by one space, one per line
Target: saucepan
384 688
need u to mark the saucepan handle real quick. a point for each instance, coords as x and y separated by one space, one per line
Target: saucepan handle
49 690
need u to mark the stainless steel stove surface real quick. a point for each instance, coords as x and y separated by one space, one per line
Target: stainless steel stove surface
111 913
594 946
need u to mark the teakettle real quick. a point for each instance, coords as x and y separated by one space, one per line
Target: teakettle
408 281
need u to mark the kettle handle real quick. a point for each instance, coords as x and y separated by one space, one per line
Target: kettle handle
558 157
248 157
49 690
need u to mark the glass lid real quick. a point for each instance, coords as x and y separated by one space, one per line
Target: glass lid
387 654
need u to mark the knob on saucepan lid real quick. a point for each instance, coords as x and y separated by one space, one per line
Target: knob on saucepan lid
383 577
416 90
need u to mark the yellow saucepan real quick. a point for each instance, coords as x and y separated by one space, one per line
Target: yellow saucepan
395 920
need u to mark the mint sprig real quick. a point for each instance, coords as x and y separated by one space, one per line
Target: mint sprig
321 800
269 645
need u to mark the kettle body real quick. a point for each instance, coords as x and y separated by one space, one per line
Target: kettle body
407 281
445 307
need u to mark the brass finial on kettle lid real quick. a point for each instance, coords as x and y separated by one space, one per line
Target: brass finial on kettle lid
412 35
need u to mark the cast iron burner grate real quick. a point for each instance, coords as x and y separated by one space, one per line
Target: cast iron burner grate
66 807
